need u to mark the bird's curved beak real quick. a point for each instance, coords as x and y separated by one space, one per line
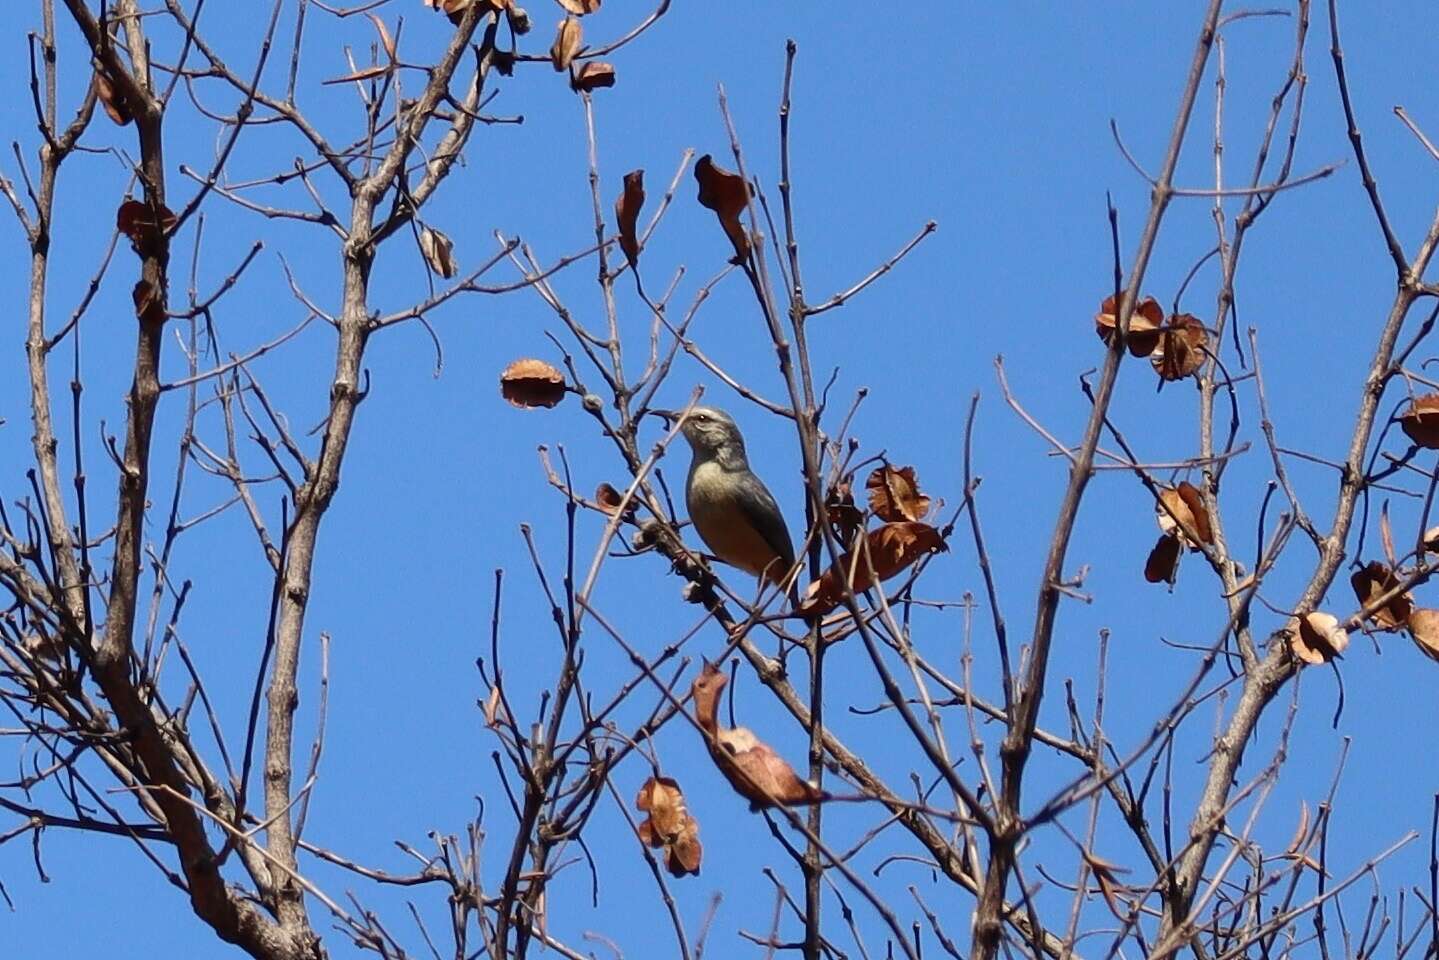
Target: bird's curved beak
669 416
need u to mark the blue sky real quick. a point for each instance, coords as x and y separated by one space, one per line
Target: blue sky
991 119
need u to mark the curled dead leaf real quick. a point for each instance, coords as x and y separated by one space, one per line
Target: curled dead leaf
1423 626
594 75
751 766
1421 421
758 774
386 41
610 499
532 383
706 690
1163 563
1144 322
1316 637
894 494
1181 348
728 196
669 825
144 226
1372 582
438 251
1181 513
627 214
115 103
1431 540
1299 844
567 43
891 548
495 712
579 7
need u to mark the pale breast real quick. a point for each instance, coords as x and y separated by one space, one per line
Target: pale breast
721 521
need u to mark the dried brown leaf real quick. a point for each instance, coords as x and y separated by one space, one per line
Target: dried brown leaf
494 705
728 196
1423 627
1181 513
1301 839
386 41
669 825
1163 563
532 383
1372 582
567 43
438 251
1180 351
894 494
1301 831
138 221
1421 421
706 690
610 499
627 213
892 548
1144 323
755 771
1316 637
115 103
594 75
579 7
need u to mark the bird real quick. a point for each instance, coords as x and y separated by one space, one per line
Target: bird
732 510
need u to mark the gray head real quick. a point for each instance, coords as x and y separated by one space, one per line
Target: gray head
709 430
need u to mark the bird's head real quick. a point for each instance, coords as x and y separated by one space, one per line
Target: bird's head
708 429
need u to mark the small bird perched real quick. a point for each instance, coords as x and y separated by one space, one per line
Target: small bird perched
735 514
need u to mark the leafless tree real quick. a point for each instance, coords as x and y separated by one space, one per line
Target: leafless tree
117 733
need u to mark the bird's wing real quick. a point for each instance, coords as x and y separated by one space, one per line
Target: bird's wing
765 516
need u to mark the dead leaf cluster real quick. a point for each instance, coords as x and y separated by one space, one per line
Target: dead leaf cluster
569 41
1183 523
904 537
1176 348
1398 613
144 224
